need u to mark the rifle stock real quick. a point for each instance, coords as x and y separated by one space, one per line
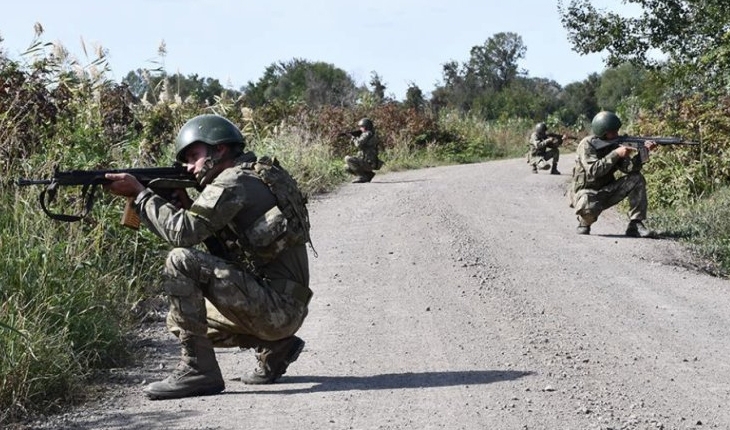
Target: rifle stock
163 180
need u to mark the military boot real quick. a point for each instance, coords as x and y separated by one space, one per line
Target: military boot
554 170
273 359
534 168
197 373
636 228
543 165
364 177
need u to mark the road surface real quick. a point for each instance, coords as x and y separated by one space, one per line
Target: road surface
461 297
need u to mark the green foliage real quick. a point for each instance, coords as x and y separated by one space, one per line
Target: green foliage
708 233
692 36
684 174
313 83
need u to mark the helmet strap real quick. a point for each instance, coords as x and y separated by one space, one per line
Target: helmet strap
205 176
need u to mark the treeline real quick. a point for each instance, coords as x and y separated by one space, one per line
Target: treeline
488 85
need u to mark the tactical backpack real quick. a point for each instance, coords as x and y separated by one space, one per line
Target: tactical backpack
286 224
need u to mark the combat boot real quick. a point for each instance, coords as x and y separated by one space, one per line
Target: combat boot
636 228
273 359
554 170
534 168
197 373
583 229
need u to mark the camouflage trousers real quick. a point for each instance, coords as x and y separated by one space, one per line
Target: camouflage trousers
211 297
539 160
590 203
357 166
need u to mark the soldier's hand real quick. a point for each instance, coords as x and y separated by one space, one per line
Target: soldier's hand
123 184
180 199
625 151
650 145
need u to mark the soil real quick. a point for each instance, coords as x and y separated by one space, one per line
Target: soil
461 297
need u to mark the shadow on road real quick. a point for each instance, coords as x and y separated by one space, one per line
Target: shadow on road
392 381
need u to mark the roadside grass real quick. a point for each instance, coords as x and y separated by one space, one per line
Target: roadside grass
704 226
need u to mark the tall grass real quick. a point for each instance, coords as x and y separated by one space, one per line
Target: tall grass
703 226
66 290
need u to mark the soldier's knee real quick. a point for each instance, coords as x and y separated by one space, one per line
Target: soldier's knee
178 261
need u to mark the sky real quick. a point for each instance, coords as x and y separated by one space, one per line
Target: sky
403 41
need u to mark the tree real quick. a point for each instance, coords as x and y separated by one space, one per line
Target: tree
495 62
491 69
578 100
414 98
619 83
376 83
314 83
692 36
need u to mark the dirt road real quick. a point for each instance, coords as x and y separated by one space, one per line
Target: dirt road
461 298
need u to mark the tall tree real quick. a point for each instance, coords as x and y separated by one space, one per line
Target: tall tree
579 101
491 68
619 83
495 62
691 36
314 83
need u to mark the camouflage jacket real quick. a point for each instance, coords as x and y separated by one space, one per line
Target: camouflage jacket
225 210
540 142
597 162
368 143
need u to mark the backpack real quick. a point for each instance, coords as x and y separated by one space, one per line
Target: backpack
286 224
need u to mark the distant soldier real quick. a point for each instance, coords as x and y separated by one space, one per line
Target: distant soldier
595 186
366 141
543 148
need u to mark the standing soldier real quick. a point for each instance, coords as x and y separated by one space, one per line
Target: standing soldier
367 142
252 289
543 148
595 186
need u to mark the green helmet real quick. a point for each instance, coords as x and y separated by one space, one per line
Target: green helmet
541 127
209 129
365 122
604 122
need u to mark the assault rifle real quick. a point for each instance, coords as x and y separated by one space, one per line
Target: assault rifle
561 137
638 141
162 180
352 133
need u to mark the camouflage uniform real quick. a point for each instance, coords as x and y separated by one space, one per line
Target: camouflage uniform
595 185
543 149
234 298
367 160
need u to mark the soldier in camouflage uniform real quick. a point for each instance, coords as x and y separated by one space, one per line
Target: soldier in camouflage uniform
544 148
367 161
595 186
252 289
